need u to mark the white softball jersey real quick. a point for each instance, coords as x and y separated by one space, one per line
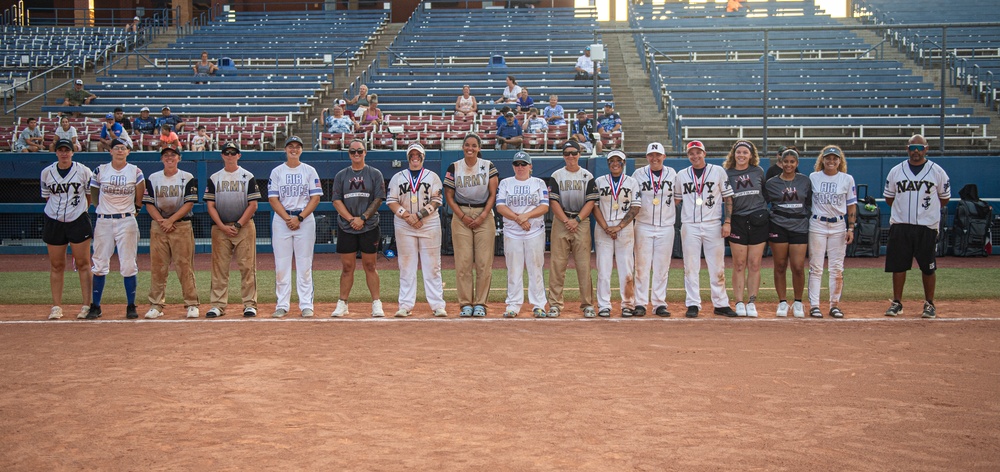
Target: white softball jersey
832 194
117 188
702 197
294 185
522 196
616 196
570 188
415 191
168 194
66 197
917 195
657 196
471 183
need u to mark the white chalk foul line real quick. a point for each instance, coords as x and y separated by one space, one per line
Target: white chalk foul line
527 319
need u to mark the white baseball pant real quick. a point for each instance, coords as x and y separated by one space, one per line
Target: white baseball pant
110 233
829 241
617 252
653 247
300 243
694 238
424 246
520 253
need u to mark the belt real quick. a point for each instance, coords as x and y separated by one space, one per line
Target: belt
473 205
116 216
828 220
294 213
795 216
572 214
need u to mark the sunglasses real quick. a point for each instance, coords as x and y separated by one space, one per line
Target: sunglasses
356 151
230 153
520 164
571 153
917 147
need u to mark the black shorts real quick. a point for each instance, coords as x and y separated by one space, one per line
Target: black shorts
350 243
780 234
907 242
748 230
57 233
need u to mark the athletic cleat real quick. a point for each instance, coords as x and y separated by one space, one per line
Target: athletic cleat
929 311
82 315
604 313
153 314
627 313
441 313
836 313
741 309
554 312
895 309
130 312
341 309
307 313
94 312
279 313
466 311
725 311
662 311
815 313
751 310
193 312
215 312
538 312
692 312
639 311
589 312
249 312
377 309
402 313
798 310
782 310
510 314
55 313
479 311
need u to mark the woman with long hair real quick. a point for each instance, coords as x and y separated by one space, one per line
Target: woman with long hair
831 228
749 229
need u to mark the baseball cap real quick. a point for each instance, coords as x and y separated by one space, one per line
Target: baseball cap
416 146
522 156
117 141
294 139
616 153
695 145
609 105
230 145
831 150
340 102
64 143
655 147
571 145
510 113
136 18
165 107
581 111
109 116
586 48
79 82
170 147
143 109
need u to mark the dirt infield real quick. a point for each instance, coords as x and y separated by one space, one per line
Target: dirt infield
495 394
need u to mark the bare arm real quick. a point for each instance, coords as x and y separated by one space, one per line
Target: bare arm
372 208
140 190
633 211
727 223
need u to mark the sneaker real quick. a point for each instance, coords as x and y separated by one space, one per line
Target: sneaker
639 311
402 313
249 312
662 311
131 313
627 312
929 311
604 313
279 313
307 313
94 312
193 312
815 313
751 310
215 312
341 309
836 313
55 313
589 312
538 312
725 311
895 309
510 314
479 311
741 309
153 314
554 312
692 312
377 309
782 309
466 311
82 315
798 310
441 313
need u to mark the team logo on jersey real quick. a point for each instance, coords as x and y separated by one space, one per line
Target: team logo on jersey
357 183
293 179
914 186
790 194
117 180
927 203
743 181
710 201
691 187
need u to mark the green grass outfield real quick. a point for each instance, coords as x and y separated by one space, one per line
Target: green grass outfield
859 285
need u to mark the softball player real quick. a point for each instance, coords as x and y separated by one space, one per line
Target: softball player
654 231
701 189
749 223
572 194
834 197
414 198
916 190
790 195
523 201
170 196
618 205
117 188
293 192
65 186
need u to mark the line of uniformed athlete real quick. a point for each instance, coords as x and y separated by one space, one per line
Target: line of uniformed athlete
634 232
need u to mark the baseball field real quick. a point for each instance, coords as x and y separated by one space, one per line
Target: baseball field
422 393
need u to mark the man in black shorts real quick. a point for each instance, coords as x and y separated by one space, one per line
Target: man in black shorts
916 189
358 191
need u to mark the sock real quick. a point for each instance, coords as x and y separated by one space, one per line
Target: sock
897 301
98 289
930 302
130 289
782 301
798 300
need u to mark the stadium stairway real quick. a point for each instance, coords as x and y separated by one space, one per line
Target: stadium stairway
932 75
634 100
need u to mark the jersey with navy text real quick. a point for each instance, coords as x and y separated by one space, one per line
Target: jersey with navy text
613 206
428 190
702 196
917 197
657 196
66 197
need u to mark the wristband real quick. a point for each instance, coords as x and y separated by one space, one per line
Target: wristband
401 211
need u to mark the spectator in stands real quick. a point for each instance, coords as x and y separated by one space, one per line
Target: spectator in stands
733 6
133 27
204 68
30 139
582 131
166 117
509 135
78 96
554 112
144 123
120 119
524 102
372 115
338 122
67 132
361 100
111 132
168 138
466 105
609 121
201 141
502 118
585 67
511 92
534 123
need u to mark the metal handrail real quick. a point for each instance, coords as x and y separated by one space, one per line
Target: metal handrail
44 95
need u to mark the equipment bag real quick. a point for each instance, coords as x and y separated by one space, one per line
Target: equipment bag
944 234
867 229
971 227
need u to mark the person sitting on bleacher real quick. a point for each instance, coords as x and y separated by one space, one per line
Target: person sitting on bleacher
372 114
112 131
201 141
175 121
204 68
30 139
144 123
582 131
78 96
502 118
554 112
168 139
511 92
609 121
585 66
120 119
534 123
338 122
67 132
524 102
133 27
361 100
509 134
466 105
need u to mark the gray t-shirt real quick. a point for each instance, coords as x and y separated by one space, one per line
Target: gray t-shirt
358 189
572 189
790 202
748 187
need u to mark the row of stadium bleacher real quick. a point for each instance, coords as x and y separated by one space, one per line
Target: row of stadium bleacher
29 48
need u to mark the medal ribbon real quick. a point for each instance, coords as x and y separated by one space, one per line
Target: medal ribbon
656 185
414 183
615 188
698 187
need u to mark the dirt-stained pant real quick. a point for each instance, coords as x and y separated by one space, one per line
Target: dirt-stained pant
244 247
694 238
473 248
176 246
519 253
829 241
562 243
618 253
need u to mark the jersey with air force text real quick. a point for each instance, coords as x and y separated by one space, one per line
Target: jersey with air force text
522 196
294 186
657 196
168 194
429 189
572 189
66 197
713 186
917 196
614 209
117 188
832 194
232 192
